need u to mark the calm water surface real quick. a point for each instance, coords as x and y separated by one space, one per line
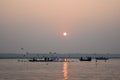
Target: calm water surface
14 70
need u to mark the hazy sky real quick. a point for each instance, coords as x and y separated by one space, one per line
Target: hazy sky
93 26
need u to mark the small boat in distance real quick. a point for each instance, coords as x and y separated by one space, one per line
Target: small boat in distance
102 58
85 59
46 59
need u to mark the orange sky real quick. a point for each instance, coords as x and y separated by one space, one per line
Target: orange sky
87 21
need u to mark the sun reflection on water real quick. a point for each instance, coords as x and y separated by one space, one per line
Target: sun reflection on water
65 70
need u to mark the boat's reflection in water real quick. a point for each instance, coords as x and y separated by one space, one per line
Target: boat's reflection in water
65 70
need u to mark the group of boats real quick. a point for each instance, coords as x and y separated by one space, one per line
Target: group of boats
49 59
45 59
90 58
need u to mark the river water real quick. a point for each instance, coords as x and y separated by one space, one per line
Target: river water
11 69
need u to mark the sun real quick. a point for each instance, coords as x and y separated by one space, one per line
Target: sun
64 33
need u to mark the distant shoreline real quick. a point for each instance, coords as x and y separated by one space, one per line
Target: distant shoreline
72 56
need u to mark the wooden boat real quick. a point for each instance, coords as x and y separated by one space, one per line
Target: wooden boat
41 60
85 59
102 58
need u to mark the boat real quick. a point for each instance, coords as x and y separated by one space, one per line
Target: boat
46 59
102 58
85 59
